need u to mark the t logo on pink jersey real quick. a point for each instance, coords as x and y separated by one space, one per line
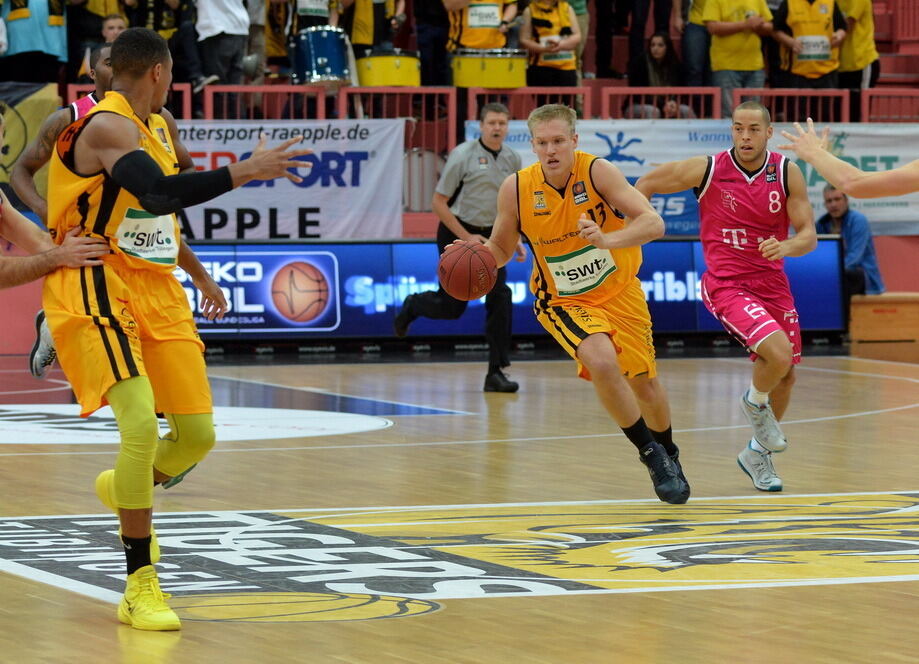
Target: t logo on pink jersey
736 237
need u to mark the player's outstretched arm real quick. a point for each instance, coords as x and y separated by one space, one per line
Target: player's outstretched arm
111 142
644 223
810 147
15 228
801 215
74 251
36 154
506 231
673 176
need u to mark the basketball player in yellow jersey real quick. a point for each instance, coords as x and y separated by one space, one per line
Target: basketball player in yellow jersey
124 330
588 296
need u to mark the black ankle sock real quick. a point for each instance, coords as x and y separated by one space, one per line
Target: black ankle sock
137 552
639 433
665 438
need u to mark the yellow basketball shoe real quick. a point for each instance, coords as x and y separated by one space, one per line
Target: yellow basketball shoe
144 604
105 490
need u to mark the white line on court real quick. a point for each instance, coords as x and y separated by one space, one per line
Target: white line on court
491 441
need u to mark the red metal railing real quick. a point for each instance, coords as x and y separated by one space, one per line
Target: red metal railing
521 101
905 25
179 97
660 102
265 102
796 105
430 111
890 105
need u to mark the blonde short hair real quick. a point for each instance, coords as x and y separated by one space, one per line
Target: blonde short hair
549 112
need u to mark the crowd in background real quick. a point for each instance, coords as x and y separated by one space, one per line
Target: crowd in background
727 43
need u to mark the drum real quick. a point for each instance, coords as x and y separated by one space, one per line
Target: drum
489 68
393 67
321 56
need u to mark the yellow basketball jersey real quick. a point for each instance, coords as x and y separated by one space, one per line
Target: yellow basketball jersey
566 266
99 206
548 23
477 25
812 25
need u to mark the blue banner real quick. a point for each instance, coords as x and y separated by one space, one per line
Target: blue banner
299 292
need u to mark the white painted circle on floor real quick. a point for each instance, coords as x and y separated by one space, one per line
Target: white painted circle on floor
60 424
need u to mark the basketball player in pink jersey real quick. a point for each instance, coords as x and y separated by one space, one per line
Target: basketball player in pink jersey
748 196
38 153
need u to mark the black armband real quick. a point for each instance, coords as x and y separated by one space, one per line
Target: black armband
167 194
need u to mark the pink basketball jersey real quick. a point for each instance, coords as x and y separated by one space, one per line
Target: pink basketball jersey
738 210
81 106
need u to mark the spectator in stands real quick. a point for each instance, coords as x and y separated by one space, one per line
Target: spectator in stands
84 31
863 276
36 42
479 23
640 11
776 73
161 16
583 16
811 41
607 14
370 25
112 26
223 31
174 20
657 67
859 64
431 29
736 52
686 19
255 48
550 33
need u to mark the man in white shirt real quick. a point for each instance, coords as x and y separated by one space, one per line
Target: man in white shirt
223 30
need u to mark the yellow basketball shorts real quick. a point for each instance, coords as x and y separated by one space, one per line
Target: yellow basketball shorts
624 317
110 323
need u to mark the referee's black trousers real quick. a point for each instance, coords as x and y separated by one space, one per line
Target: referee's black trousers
438 304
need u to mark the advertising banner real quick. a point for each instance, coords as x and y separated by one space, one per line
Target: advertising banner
637 146
318 291
351 188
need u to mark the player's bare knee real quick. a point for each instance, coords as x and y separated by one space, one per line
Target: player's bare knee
789 379
644 389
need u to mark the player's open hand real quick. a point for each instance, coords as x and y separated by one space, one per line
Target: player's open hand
520 253
772 249
271 163
80 250
806 144
213 301
590 231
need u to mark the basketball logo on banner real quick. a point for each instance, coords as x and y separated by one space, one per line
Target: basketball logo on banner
300 292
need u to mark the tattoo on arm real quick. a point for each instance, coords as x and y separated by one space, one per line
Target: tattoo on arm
48 135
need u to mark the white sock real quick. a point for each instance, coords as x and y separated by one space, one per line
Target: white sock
754 445
757 397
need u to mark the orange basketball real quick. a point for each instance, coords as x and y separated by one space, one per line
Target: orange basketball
300 292
467 270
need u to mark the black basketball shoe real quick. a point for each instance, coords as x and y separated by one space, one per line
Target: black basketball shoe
668 485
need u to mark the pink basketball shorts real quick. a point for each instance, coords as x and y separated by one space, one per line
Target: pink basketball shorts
752 309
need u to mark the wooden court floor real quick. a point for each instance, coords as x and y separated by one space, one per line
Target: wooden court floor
406 516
